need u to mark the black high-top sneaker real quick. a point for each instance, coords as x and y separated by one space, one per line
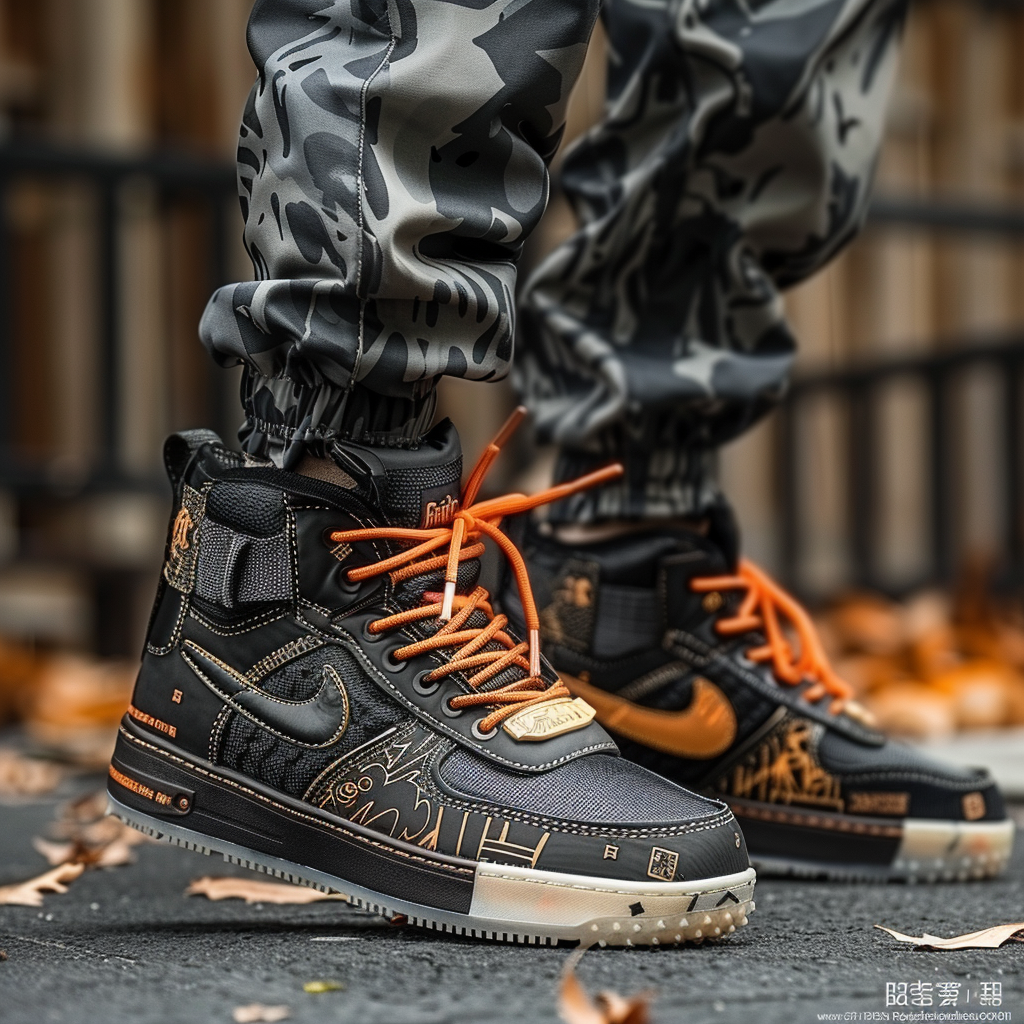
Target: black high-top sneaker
326 695
706 672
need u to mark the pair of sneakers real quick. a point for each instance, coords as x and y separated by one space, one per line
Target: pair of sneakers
327 694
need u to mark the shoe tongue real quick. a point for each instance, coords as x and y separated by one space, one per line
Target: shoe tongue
418 487
723 534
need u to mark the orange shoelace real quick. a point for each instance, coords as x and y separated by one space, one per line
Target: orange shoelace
463 539
768 609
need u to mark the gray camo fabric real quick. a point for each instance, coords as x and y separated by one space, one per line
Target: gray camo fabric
393 160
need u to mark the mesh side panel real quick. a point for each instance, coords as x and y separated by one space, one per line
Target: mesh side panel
598 789
628 619
249 749
406 487
254 751
837 753
234 568
251 508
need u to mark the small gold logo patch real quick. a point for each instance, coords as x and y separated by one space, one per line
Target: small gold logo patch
176 696
663 864
611 852
552 718
893 804
183 524
974 806
440 513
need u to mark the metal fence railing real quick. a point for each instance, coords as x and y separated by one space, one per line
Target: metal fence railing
858 392
208 189
174 178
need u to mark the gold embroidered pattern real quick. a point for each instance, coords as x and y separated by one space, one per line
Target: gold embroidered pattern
147 792
176 697
440 513
501 848
611 852
180 533
663 864
569 616
784 770
892 804
181 556
369 792
973 805
153 723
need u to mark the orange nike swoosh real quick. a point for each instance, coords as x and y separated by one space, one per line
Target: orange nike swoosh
704 729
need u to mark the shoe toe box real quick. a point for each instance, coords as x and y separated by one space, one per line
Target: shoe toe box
910 781
608 816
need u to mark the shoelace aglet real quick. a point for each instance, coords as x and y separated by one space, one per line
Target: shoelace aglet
534 652
448 602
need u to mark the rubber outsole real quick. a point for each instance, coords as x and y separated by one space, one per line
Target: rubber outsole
929 851
673 915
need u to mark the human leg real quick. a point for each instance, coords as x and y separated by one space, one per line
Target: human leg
736 158
326 692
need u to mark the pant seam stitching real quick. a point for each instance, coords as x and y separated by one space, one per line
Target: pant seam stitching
360 186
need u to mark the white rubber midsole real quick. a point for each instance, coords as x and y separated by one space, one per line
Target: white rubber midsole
515 894
971 848
929 851
522 903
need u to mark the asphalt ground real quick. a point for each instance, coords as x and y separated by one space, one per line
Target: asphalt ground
125 944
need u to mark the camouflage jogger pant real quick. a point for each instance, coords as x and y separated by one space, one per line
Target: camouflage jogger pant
393 160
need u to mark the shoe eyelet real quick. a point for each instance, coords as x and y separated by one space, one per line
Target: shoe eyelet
424 687
480 735
348 586
389 661
373 638
447 709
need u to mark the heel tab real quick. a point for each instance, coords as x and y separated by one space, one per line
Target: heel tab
181 448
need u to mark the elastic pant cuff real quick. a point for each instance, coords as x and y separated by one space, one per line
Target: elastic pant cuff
284 420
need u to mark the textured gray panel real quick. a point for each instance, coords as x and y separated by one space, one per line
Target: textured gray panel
599 789
628 619
235 569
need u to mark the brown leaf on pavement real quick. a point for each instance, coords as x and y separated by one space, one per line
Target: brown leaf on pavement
257 892
255 1012
27 776
108 855
576 1007
86 835
987 938
30 893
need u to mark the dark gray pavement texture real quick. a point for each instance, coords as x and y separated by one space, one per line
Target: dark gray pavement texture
126 945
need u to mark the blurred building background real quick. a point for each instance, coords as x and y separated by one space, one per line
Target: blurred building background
896 462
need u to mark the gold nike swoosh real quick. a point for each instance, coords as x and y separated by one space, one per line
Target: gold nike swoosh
704 729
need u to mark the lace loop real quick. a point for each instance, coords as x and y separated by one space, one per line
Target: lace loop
448 547
768 608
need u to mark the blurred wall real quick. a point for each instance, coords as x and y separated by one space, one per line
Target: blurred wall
136 75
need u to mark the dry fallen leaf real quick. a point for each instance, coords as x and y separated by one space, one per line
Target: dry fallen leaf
30 893
257 892
315 988
27 776
987 938
576 1007
109 855
255 1012
87 835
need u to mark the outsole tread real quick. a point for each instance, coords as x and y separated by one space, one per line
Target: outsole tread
715 925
